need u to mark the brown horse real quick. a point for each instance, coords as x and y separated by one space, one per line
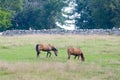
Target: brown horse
46 48
76 52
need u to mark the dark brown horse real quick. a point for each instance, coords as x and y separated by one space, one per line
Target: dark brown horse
46 48
76 52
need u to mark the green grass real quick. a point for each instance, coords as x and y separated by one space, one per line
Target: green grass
18 58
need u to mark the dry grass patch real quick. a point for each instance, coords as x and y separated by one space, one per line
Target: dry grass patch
55 70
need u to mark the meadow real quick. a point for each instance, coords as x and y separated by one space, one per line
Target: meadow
18 58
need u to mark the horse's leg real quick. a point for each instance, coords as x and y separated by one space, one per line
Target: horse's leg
47 54
38 54
78 56
75 56
68 56
50 54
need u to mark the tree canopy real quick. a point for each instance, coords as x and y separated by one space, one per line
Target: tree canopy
98 14
8 9
43 14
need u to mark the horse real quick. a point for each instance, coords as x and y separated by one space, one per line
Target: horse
76 52
47 48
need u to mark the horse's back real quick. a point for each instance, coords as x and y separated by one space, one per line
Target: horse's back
74 51
77 50
70 50
45 47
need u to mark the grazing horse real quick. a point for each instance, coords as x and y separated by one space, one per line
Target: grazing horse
46 48
76 52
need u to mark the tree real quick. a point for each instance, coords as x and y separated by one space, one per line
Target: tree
5 18
98 14
9 8
84 21
69 15
114 6
101 13
38 14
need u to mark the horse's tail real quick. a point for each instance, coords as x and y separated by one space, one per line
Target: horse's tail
82 57
37 47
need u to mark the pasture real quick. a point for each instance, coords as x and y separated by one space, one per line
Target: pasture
18 58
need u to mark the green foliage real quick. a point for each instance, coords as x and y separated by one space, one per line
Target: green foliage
85 20
101 13
13 5
115 10
43 14
5 18
98 13
8 9
53 11
38 14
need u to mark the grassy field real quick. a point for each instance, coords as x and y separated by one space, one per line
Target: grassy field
18 58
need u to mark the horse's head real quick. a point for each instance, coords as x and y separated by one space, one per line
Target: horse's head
55 50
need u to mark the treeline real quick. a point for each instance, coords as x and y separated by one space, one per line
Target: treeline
98 14
43 14
23 14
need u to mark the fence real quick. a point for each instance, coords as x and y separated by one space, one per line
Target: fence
62 32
